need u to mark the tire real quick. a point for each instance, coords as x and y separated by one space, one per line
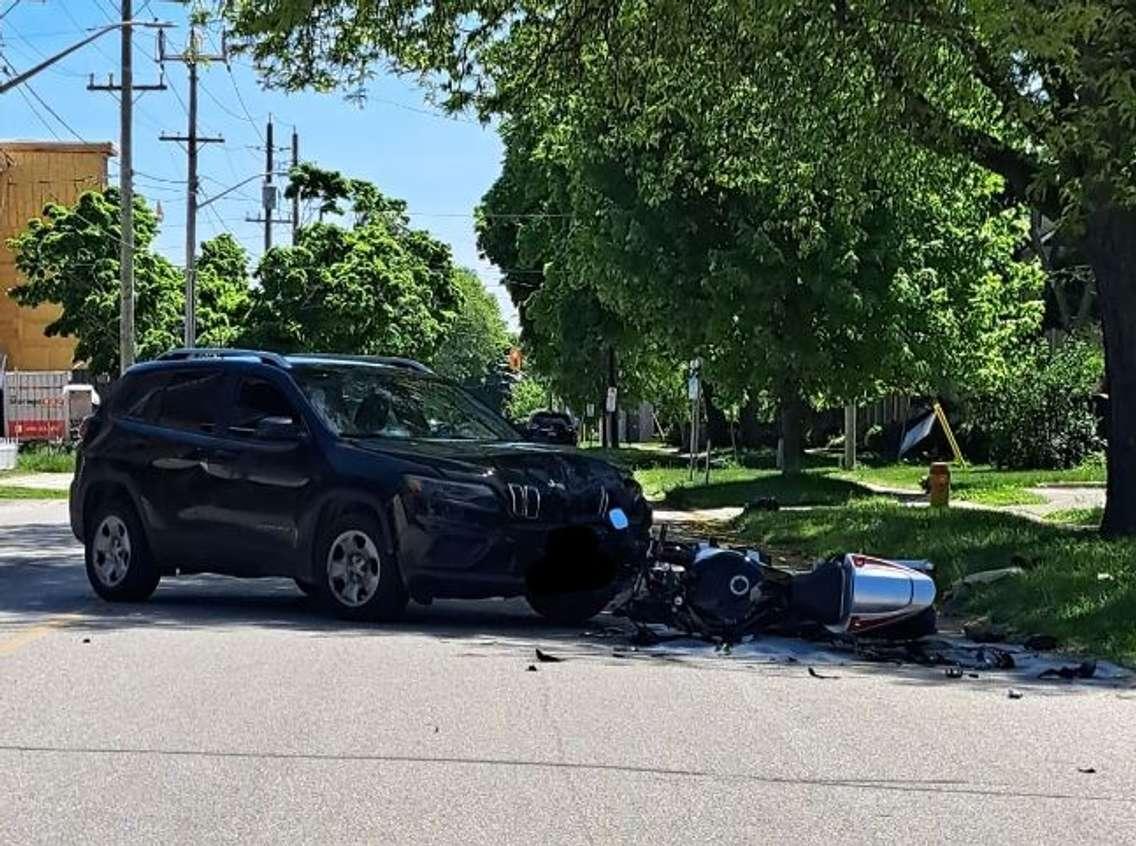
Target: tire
570 608
358 581
120 566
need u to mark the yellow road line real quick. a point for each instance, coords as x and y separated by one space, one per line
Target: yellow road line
25 636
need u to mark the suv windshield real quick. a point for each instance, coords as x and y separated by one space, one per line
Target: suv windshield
371 402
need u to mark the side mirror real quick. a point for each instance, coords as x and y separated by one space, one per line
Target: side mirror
278 429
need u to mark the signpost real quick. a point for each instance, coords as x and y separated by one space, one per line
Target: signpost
694 392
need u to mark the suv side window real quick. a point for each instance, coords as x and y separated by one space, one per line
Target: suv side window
257 399
140 396
189 400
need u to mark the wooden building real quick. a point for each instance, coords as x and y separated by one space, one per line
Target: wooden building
32 174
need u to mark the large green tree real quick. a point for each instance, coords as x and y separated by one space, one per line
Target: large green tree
1039 92
475 343
69 257
376 287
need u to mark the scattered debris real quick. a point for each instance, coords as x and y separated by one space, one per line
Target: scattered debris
1084 670
1041 643
1086 770
531 668
545 658
985 577
973 676
86 640
1014 694
997 659
817 675
765 503
983 631
1104 577
953 672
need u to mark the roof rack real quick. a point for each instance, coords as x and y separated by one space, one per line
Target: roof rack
385 360
187 354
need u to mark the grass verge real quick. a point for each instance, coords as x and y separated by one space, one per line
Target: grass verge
16 492
1076 516
46 459
1062 591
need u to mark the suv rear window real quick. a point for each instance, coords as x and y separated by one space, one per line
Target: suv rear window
189 400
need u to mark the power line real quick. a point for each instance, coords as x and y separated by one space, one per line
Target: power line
241 100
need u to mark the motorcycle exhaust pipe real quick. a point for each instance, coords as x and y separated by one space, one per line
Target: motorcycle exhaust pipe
859 593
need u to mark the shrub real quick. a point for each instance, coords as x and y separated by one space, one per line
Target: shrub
1043 418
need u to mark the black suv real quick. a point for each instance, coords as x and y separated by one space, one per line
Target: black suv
369 481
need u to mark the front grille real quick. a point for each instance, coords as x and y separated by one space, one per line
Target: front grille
524 501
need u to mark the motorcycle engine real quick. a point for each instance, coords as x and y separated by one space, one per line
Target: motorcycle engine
723 585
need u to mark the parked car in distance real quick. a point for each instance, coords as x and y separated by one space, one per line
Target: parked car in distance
552 427
369 481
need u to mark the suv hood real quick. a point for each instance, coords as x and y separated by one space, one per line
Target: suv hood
520 462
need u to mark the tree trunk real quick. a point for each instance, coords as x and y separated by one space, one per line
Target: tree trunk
1111 246
792 426
748 426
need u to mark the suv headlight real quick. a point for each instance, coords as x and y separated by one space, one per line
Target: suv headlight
445 499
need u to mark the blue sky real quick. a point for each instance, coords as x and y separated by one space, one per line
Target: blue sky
440 165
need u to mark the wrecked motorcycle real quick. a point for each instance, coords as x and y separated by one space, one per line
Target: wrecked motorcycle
725 594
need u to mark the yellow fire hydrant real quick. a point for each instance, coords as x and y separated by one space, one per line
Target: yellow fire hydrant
940 484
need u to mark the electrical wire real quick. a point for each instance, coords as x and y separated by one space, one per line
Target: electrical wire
244 108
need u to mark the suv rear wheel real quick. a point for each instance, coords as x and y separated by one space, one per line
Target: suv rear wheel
356 580
120 567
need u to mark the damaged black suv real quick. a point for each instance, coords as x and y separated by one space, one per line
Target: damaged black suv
369 481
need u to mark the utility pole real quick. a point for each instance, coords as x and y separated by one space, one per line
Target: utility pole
268 189
296 197
126 90
190 58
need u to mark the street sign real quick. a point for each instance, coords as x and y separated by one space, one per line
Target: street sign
590 410
692 388
612 394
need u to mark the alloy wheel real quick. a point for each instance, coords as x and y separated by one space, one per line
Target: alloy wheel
111 551
353 568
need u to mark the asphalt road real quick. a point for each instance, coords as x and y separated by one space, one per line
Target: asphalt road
232 711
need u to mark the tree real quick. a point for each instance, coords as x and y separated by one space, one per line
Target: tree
1037 92
70 258
224 294
475 343
376 288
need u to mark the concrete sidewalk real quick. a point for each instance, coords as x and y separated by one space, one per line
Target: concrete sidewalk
49 481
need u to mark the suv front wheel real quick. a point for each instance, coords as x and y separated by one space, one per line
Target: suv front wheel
120 567
356 580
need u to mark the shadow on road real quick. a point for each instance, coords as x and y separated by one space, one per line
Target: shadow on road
42 578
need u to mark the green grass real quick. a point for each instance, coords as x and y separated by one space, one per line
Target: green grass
1076 516
46 459
976 482
15 492
1059 594
1000 496
738 485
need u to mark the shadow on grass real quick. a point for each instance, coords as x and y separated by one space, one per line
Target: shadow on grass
806 489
